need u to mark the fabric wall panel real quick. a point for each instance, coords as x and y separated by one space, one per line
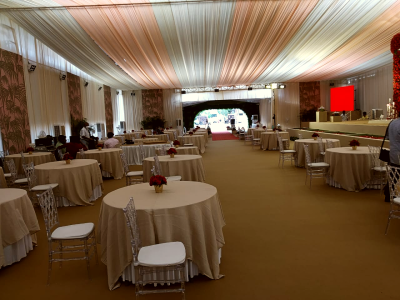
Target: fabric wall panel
74 96
108 109
152 101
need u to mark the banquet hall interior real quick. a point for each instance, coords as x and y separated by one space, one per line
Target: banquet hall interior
249 134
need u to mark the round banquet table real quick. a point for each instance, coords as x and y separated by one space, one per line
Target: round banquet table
256 132
196 140
203 133
189 167
142 141
37 158
18 223
349 169
190 150
269 140
313 147
79 183
120 138
132 152
161 137
3 182
110 161
188 212
170 133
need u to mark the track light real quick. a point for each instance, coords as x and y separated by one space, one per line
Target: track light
216 90
100 87
282 86
31 67
62 76
268 86
133 94
250 88
274 85
183 92
86 83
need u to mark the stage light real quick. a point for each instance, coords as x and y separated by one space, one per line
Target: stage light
216 90
86 83
31 67
282 86
100 87
250 88
268 86
274 85
62 76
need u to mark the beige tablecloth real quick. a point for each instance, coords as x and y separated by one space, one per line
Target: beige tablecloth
189 212
203 133
256 132
141 141
76 181
196 140
313 147
269 140
349 168
161 137
192 150
189 167
17 218
121 139
37 158
109 158
3 182
171 134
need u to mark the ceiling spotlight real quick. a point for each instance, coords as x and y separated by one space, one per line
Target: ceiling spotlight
62 76
86 83
282 86
268 86
183 92
250 88
216 90
100 87
31 67
132 94
274 85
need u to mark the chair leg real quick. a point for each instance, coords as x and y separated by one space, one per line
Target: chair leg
95 247
306 177
60 246
50 263
87 258
387 225
182 273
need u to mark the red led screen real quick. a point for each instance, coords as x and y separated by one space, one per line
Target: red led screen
342 98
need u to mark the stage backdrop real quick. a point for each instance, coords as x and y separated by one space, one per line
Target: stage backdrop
14 122
108 109
74 96
152 101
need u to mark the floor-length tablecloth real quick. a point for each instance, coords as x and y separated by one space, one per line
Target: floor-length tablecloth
203 133
189 167
132 152
269 140
196 140
17 219
109 158
189 212
190 150
313 147
3 182
37 158
120 138
76 181
171 134
161 137
349 169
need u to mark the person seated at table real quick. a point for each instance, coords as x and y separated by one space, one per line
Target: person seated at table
364 116
111 142
344 117
62 139
72 148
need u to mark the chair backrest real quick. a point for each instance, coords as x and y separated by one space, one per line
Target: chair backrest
141 152
280 143
23 158
60 154
300 136
3 155
11 167
124 162
393 174
184 130
29 170
82 153
307 152
375 151
157 165
175 135
329 144
320 144
248 137
131 222
49 210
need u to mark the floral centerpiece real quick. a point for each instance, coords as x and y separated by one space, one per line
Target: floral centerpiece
258 126
277 129
158 182
141 128
315 135
100 146
67 157
30 150
354 144
176 143
264 127
143 136
125 131
321 108
133 130
190 132
171 152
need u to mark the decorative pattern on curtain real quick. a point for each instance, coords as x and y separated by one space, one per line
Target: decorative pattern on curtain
310 98
14 121
108 109
152 101
74 96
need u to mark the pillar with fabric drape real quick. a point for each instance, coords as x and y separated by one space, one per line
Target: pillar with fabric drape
172 107
287 102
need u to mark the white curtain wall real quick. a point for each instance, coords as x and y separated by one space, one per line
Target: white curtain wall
172 107
287 102
92 95
265 112
133 112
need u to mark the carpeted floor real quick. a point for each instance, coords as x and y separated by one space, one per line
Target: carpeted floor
223 136
284 240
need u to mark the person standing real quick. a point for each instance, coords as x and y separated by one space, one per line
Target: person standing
85 135
393 135
344 117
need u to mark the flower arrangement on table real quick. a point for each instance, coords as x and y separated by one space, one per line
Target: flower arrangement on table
190 132
257 125
264 127
277 129
354 144
176 143
141 128
315 135
158 181
321 109
125 131
30 150
100 146
197 126
336 113
171 152
143 136
67 157
133 130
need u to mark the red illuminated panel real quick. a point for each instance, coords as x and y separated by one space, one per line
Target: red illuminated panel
342 98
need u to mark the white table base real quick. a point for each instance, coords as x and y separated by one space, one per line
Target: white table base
17 251
62 201
191 270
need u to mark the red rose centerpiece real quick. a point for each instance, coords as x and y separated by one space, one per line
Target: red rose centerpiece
177 143
354 144
191 133
30 150
143 136
171 152
133 130
264 127
258 126
141 128
158 182
67 157
100 146
315 135
125 131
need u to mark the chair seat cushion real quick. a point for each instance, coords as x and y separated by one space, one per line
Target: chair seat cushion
44 187
165 254
188 145
288 151
257 139
319 164
322 153
22 180
284 140
380 169
7 175
135 173
75 231
174 178
396 200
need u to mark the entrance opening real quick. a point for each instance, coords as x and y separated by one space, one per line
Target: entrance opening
219 119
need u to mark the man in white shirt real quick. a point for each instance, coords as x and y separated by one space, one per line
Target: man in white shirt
85 135
111 142
344 117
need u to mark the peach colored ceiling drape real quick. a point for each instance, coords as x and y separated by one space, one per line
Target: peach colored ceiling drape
260 31
131 36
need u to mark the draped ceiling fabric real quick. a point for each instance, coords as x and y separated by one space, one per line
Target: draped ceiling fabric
161 44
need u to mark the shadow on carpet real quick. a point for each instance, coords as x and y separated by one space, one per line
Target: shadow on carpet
223 136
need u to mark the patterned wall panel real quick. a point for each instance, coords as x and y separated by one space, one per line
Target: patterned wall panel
152 101
108 109
310 99
14 122
74 96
